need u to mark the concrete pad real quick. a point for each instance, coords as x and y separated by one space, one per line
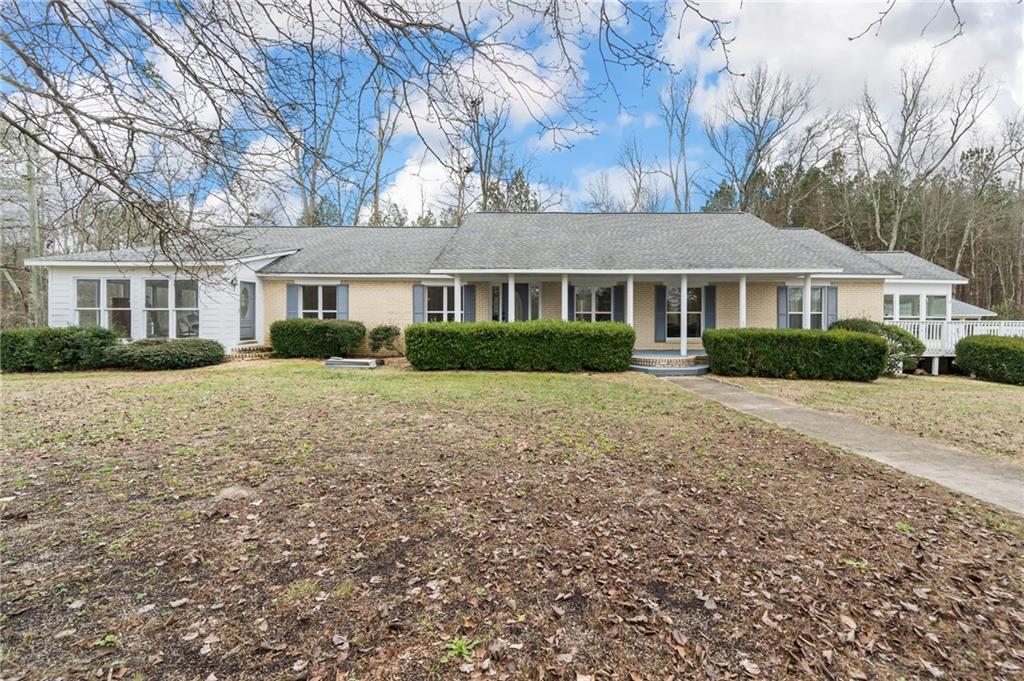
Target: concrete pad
996 482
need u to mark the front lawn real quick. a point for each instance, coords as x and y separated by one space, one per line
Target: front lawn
280 520
978 416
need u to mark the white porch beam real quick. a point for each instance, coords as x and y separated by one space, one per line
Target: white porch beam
805 320
743 301
458 298
629 300
565 297
511 304
683 300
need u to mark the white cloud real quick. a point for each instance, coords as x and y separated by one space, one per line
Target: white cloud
624 119
811 40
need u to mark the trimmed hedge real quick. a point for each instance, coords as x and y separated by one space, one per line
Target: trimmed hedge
384 337
905 349
156 355
317 338
54 349
993 358
545 345
796 353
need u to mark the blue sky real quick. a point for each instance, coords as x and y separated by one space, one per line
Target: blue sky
801 40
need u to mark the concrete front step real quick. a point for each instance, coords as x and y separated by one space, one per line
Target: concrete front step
352 363
667 360
691 370
244 352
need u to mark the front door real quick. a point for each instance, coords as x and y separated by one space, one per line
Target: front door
247 310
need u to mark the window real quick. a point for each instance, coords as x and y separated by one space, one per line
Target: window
186 308
525 309
119 307
796 307
440 303
935 307
87 302
887 306
593 304
910 307
319 302
694 312
157 308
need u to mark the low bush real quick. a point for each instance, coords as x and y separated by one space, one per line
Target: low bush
57 349
796 353
316 338
156 355
905 349
546 345
384 337
993 358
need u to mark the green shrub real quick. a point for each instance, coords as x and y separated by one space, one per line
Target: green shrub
315 337
993 358
16 349
155 355
547 345
68 348
905 349
796 353
384 337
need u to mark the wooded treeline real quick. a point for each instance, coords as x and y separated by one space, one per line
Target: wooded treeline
147 122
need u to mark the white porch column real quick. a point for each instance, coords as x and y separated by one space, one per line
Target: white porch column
683 300
458 298
743 301
922 309
565 297
511 304
805 321
629 300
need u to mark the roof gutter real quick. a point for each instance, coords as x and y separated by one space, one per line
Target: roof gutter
44 262
514 270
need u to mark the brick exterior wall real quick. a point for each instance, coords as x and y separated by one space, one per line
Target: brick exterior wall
385 301
861 299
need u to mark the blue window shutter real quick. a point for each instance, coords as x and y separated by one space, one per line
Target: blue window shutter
469 302
709 307
292 302
660 312
342 301
419 303
783 307
619 303
504 303
572 303
831 305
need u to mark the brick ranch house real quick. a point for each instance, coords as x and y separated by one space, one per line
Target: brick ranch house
736 270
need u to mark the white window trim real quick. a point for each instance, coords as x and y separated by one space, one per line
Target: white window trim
104 309
445 311
824 306
146 309
319 302
703 304
100 297
593 304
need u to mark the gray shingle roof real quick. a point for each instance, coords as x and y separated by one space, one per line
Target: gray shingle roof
366 250
623 241
839 255
962 309
912 266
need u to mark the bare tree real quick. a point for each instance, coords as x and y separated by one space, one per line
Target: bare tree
675 103
644 192
904 151
752 124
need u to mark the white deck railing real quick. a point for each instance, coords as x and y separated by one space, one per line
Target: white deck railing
940 337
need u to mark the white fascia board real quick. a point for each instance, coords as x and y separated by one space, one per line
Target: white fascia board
928 281
495 271
308 275
884 277
43 262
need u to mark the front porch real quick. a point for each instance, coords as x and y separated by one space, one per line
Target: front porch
670 362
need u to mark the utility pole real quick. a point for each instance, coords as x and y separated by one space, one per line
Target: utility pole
36 313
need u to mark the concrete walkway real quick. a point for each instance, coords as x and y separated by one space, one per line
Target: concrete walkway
987 479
